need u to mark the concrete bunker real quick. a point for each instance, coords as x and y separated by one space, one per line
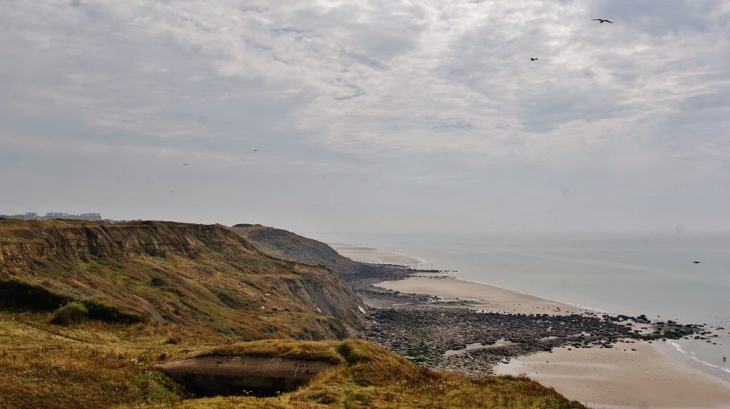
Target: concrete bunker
235 375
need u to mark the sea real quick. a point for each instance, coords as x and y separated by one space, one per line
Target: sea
652 273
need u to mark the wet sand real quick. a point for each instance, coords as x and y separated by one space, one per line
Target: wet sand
484 297
621 377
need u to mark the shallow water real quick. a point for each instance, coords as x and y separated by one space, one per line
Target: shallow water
632 274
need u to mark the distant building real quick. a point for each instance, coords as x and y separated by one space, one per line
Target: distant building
55 215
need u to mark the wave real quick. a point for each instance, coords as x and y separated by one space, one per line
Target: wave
693 357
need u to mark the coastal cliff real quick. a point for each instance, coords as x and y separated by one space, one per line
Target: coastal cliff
286 245
190 274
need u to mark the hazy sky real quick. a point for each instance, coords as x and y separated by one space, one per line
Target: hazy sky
369 116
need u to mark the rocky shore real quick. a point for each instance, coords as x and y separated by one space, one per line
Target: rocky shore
452 335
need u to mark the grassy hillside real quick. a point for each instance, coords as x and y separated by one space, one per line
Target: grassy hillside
192 275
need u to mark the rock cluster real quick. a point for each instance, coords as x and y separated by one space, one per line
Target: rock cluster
476 340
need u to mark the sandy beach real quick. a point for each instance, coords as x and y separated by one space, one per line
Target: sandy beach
628 375
644 377
485 297
631 374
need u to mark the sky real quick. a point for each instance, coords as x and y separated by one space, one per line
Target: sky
370 116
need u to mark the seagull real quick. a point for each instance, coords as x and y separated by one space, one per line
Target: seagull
601 20
533 58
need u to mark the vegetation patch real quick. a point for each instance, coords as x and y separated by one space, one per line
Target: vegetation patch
19 294
108 313
71 313
286 349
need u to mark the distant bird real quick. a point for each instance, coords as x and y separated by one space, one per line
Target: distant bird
696 262
255 150
533 58
185 164
601 21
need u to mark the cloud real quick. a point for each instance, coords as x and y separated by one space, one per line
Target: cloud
662 17
413 99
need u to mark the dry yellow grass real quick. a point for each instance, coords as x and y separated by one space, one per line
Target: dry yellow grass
99 365
371 377
92 365
288 349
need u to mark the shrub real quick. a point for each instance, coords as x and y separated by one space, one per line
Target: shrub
158 282
71 313
19 294
353 351
105 312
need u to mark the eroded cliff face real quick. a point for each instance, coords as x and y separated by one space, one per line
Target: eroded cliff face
20 241
186 273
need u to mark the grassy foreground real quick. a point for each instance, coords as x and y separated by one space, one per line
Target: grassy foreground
101 365
372 377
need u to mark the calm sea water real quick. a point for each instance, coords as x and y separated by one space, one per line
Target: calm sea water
631 274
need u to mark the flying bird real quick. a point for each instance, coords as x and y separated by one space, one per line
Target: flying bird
696 262
533 58
601 20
